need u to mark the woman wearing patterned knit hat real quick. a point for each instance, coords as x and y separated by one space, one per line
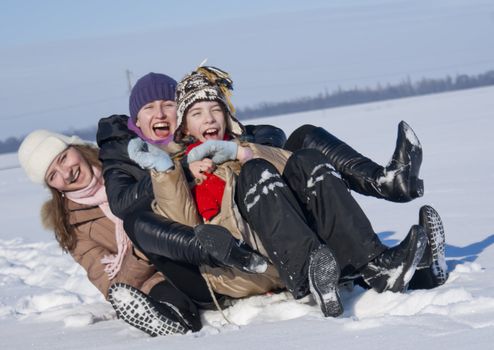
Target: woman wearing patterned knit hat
84 226
299 252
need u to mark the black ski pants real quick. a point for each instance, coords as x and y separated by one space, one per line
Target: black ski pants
295 212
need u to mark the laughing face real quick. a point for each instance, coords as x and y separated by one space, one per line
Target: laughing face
158 119
206 121
69 171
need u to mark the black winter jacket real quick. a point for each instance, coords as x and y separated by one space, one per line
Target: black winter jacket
130 194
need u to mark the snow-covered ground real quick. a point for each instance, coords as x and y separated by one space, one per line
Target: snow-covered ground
47 303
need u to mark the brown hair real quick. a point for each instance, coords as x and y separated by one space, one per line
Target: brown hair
54 213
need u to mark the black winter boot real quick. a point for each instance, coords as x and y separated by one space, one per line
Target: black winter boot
324 274
393 269
166 292
432 270
142 312
397 182
219 242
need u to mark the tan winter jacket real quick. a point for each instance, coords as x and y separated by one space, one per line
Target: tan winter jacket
95 239
173 199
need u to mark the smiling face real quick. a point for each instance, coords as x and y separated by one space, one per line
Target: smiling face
206 121
69 171
158 119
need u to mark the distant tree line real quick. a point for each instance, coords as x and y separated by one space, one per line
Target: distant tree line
338 98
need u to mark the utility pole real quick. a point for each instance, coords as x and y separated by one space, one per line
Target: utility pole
128 73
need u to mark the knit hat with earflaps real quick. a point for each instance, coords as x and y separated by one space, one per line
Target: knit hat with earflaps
40 148
205 84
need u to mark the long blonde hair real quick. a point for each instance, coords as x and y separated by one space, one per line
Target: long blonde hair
54 212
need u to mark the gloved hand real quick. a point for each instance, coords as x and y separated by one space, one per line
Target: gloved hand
148 156
268 135
222 246
218 151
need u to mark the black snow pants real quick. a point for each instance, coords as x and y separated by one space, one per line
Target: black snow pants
295 212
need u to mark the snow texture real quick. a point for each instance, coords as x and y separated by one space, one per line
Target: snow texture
46 301
313 180
266 184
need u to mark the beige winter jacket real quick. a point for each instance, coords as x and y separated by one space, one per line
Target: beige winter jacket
95 239
173 199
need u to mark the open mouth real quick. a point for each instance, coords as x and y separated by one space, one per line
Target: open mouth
211 134
161 129
74 176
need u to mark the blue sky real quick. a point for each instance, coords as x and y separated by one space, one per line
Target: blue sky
34 21
63 62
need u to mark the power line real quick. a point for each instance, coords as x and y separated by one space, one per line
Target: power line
128 73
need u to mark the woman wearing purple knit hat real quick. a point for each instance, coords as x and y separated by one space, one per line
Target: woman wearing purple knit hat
152 108
130 194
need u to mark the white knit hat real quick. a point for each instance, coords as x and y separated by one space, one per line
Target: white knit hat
39 149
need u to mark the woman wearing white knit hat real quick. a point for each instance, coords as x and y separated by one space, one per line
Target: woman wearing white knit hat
84 226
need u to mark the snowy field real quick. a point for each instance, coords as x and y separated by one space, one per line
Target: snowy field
47 303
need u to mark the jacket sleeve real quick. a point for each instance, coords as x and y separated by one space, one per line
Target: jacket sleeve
89 252
173 197
127 185
161 236
125 192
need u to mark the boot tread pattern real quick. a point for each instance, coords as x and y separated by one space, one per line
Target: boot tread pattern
135 308
435 230
324 275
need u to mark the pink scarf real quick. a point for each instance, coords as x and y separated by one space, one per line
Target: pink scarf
95 194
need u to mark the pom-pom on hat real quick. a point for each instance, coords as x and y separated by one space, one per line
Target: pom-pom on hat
40 148
149 88
205 84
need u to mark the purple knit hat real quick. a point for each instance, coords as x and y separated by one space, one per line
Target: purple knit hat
149 88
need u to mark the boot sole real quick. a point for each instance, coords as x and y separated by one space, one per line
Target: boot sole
134 307
429 218
324 274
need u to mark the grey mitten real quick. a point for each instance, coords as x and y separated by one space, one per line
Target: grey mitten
148 156
218 151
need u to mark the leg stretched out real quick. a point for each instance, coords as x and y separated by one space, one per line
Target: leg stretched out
397 182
